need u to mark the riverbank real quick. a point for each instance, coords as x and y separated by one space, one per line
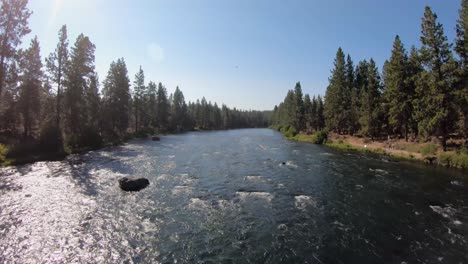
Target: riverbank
399 149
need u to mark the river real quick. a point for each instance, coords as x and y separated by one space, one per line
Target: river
239 196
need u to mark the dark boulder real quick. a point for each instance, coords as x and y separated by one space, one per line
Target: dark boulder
133 184
155 138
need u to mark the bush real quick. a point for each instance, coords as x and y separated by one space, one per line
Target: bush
453 159
291 132
429 149
3 153
50 139
320 137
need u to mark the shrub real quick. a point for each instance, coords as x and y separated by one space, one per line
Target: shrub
3 153
429 149
321 137
291 132
453 159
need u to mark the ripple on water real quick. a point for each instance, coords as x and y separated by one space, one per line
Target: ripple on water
253 178
255 196
198 204
303 201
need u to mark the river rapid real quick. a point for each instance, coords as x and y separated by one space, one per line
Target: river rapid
239 196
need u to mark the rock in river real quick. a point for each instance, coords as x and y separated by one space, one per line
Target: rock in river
155 138
133 184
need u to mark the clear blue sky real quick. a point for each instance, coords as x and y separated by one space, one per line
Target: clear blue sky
245 53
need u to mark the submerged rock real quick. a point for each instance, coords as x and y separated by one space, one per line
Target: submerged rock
155 138
133 184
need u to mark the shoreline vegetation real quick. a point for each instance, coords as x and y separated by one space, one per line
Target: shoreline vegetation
428 153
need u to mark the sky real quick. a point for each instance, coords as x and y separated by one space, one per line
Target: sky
244 53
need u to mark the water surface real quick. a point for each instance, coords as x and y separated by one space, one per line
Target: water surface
240 196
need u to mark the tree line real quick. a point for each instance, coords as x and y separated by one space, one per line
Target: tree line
60 100
422 94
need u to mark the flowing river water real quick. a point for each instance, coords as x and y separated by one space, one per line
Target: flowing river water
239 196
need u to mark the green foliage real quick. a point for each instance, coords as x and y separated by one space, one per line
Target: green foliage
321 137
428 149
338 97
453 160
3 154
399 92
116 99
289 131
318 138
436 103
29 101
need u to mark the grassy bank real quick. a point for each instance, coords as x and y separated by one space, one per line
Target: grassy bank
422 152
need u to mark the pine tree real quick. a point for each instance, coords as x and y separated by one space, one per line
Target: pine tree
178 110
335 108
320 114
116 99
415 70
162 108
93 101
436 91
461 48
9 103
307 112
30 89
398 92
298 121
151 106
370 102
57 64
76 82
139 91
351 119
14 16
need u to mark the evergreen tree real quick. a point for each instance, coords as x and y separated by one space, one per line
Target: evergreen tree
352 120
30 89
436 90
162 108
116 99
9 103
308 112
298 107
178 110
139 92
335 109
93 101
14 16
415 70
77 80
461 48
398 91
57 64
151 107
320 113
370 102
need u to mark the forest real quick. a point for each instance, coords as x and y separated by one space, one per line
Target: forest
419 95
58 105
